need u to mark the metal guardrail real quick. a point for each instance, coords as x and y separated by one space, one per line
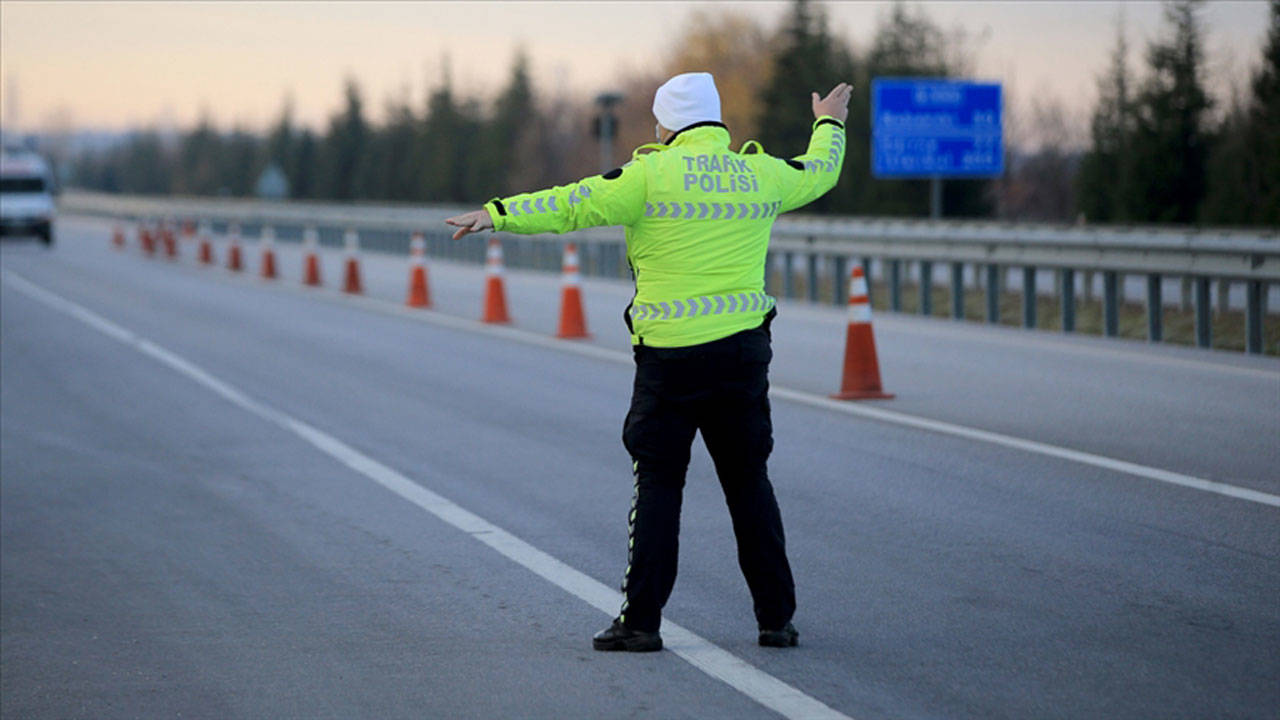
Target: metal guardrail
1201 255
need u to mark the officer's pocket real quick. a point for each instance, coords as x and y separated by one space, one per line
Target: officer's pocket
756 348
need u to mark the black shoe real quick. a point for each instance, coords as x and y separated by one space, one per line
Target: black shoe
619 637
786 637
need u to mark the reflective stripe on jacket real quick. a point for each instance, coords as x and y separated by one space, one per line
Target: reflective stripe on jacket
697 217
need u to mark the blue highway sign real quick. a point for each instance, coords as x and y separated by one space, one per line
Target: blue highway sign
923 127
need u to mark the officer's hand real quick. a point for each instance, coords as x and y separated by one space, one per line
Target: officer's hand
470 222
835 104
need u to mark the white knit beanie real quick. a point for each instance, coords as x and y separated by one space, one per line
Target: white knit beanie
686 99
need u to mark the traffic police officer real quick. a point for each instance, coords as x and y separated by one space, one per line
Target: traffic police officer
697 217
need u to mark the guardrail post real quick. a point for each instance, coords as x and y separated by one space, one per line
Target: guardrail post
1155 311
926 287
1029 297
1068 300
1253 317
812 290
1204 330
840 293
788 275
1110 303
957 290
993 293
895 285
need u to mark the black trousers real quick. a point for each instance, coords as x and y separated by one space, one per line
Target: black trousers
721 389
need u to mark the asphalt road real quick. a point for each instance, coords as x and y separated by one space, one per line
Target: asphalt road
166 552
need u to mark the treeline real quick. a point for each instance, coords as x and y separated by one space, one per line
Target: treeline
1156 152
451 150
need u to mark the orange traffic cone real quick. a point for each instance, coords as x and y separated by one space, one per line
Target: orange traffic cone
170 242
117 237
495 295
861 379
311 265
418 295
351 283
145 239
267 242
234 262
573 323
206 246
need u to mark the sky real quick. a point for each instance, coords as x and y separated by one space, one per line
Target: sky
118 65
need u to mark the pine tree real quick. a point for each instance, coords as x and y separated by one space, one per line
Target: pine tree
509 132
344 148
1104 190
1171 141
240 163
806 58
447 148
302 180
394 176
1264 127
1232 170
197 162
281 145
144 165
441 176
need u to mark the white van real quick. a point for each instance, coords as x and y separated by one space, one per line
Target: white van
26 196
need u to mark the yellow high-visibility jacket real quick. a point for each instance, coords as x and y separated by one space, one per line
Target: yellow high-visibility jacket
697 218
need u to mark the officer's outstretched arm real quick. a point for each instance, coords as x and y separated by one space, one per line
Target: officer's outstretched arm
807 177
614 198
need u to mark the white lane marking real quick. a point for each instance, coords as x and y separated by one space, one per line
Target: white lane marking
720 664
864 411
1121 466
987 335
807 398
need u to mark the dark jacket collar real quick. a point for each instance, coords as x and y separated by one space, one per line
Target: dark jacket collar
705 123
